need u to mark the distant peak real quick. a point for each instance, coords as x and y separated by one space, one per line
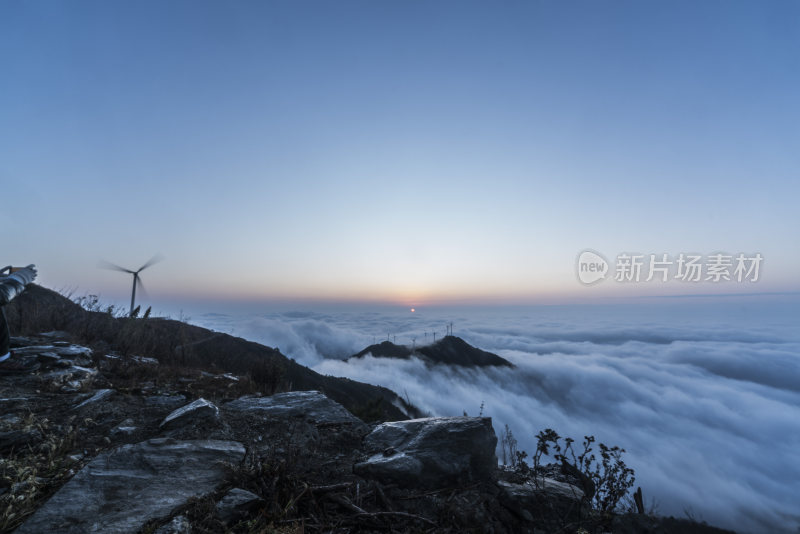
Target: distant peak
449 350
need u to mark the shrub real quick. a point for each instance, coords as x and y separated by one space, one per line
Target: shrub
605 482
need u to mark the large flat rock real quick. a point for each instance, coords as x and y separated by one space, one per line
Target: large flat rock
311 406
432 452
120 490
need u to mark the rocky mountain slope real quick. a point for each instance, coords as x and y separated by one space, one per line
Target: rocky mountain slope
191 453
177 345
140 426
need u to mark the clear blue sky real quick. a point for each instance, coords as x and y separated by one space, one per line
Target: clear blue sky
410 152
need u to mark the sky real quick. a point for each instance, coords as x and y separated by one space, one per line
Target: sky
414 153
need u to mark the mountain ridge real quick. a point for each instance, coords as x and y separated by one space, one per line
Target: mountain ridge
450 350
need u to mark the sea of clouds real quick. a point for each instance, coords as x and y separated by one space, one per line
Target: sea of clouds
704 396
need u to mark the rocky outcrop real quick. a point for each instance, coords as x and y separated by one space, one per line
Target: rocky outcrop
434 452
120 490
297 420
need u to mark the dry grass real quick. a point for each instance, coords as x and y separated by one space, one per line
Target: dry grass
34 472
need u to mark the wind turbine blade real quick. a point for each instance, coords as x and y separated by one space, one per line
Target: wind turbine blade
141 290
103 264
155 259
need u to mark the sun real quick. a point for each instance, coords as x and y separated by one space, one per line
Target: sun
413 310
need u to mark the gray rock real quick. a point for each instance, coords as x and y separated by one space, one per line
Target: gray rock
179 525
433 452
125 427
48 358
547 485
196 411
235 504
72 379
73 351
545 495
70 352
97 397
120 490
312 406
34 349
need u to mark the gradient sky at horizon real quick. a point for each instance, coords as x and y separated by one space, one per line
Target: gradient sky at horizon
414 152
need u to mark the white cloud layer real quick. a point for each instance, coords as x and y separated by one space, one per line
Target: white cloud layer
705 399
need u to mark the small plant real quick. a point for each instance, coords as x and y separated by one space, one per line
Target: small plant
545 439
605 482
89 302
508 447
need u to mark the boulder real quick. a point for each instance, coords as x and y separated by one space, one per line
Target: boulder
121 490
434 452
298 422
543 498
235 504
311 406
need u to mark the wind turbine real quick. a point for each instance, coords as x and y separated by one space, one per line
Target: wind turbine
136 280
